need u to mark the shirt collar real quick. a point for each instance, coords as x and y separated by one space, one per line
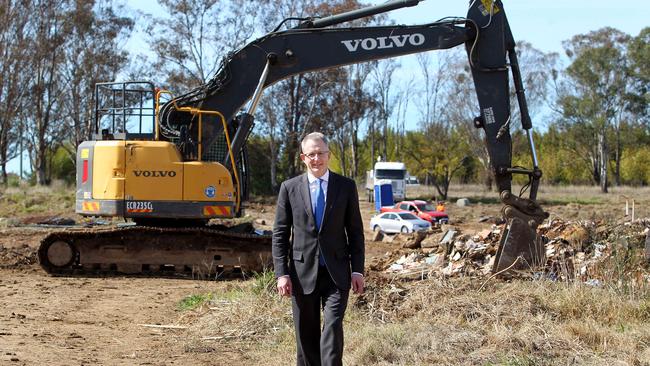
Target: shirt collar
325 177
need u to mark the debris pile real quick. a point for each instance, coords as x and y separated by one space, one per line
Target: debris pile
574 250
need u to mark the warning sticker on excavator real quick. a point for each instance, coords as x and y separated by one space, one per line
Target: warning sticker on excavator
210 191
488 7
139 206
216 211
90 206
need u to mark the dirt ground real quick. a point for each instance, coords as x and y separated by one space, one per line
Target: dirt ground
133 320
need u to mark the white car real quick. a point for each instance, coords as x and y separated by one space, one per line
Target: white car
396 222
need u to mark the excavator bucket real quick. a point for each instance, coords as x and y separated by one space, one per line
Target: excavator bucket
520 248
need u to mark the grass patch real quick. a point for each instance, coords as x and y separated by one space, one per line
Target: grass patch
27 200
264 283
572 200
194 301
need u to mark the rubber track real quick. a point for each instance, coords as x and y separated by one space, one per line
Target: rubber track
155 251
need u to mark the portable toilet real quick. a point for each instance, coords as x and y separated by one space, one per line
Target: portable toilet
383 193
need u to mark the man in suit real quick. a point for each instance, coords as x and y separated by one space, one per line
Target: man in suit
318 252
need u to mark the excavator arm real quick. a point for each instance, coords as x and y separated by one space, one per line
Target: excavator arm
315 45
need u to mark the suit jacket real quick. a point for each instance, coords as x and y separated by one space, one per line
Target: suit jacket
296 242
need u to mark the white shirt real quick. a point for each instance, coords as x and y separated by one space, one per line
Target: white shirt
313 186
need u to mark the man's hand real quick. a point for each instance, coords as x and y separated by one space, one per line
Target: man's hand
284 286
357 283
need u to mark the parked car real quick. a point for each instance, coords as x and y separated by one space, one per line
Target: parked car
395 222
423 209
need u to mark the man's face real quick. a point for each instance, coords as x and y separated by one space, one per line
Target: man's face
316 157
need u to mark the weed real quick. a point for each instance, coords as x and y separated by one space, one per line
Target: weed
264 282
194 301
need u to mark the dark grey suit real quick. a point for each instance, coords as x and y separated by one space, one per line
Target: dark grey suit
296 247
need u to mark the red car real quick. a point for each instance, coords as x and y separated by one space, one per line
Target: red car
422 209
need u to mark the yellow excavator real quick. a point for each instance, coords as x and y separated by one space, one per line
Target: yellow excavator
172 163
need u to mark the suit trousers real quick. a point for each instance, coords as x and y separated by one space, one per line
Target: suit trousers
313 346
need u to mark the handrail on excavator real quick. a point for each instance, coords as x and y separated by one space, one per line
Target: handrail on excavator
200 112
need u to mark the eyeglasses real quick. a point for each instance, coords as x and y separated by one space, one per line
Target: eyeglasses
321 155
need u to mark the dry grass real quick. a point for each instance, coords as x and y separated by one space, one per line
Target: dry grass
442 322
36 200
566 202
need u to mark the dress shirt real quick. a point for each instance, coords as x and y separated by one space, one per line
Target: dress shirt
313 187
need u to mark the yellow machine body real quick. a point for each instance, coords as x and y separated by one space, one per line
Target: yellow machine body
148 179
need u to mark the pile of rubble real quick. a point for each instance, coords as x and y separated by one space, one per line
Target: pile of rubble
574 249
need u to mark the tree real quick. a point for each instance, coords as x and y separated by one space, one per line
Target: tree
332 101
639 69
437 163
14 55
383 82
92 55
49 32
593 100
190 40
460 107
74 44
434 151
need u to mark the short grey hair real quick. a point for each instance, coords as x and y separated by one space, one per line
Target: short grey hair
313 136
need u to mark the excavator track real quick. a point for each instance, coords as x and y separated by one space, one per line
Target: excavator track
197 252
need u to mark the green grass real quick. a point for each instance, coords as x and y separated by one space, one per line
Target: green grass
193 302
264 283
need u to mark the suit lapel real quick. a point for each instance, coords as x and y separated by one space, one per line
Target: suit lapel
332 193
306 198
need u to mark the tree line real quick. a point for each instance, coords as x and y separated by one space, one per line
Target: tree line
592 100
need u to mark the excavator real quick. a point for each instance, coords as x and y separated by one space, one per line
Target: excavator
171 163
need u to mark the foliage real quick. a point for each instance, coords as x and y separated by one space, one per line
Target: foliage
593 101
259 161
636 168
62 165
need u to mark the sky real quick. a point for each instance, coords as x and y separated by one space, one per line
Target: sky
544 24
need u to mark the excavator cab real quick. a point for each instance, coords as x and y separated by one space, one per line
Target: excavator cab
125 111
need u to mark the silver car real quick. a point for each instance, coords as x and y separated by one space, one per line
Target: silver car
396 222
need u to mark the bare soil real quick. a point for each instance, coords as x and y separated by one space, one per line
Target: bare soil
134 320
